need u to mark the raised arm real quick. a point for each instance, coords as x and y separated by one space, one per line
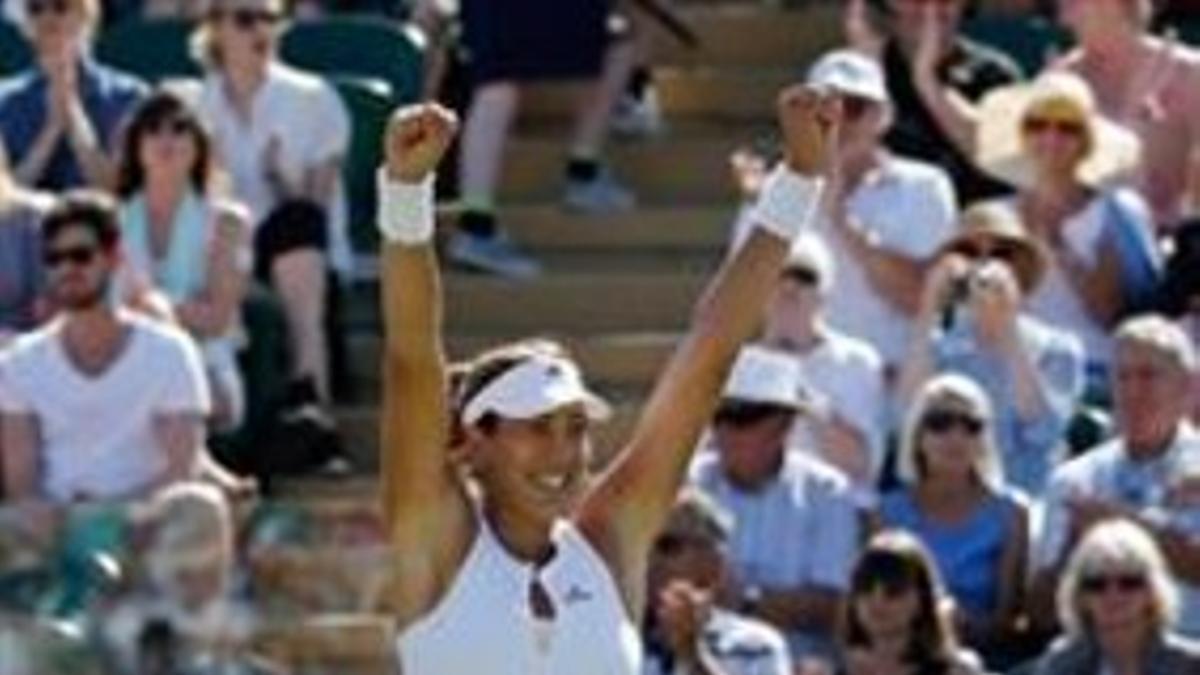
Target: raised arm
631 501
417 479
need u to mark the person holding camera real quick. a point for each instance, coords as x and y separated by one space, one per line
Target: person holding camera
971 322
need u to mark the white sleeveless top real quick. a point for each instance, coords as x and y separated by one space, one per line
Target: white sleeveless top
484 624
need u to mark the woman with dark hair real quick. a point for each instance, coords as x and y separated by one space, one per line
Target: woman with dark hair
185 249
537 567
896 621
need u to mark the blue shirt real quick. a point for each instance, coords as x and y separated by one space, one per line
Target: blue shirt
1029 447
969 553
108 96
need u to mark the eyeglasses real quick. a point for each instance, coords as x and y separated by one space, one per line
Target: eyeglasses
744 414
1059 125
245 19
1096 584
802 275
78 256
942 421
176 126
39 7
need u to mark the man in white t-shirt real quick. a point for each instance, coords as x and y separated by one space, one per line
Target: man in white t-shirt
885 216
99 404
842 376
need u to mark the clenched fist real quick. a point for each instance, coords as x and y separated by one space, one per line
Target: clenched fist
417 138
809 119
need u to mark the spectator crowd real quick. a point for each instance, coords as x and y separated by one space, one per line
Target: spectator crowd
964 441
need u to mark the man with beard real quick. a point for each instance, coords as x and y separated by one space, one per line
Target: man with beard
99 404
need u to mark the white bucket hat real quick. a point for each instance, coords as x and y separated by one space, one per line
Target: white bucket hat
538 385
766 377
1114 152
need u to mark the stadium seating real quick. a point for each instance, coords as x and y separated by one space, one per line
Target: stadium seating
154 50
14 51
360 46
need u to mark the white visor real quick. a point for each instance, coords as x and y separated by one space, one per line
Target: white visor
539 385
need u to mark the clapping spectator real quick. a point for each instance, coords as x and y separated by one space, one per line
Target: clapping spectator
896 619
843 378
180 242
100 404
971 322
1142 473
60 119
687 627
282 135
797 527
21 278
955 500
1118 603
1048 140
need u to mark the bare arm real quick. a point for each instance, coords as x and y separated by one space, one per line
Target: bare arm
215 310
1012 576
321 181
954 114
98 168
1098 285
181 438
898 278
19 440
30 169
630 502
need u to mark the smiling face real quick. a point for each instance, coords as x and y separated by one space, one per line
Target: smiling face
534 470
1056 136
168 146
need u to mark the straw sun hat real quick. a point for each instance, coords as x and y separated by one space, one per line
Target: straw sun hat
1113 152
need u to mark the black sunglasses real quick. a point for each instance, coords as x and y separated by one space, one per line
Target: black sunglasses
76 255
745 414
1001 252
1099 583
802 275
942 421
39 7
245 19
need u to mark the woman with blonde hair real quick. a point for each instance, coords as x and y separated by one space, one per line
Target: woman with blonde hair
955 500
1117 602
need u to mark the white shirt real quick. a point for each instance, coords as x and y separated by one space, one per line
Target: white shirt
1107 472
741 645
845 376
484 623
904 207
97 436
1055 300
308 121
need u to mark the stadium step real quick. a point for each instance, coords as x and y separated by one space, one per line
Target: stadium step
746 35
671 229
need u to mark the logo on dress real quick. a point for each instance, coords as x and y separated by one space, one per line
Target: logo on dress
577 595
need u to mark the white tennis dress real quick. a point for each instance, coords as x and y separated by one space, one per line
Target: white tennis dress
484 625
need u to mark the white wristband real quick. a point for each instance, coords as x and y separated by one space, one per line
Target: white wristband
787 203
406 210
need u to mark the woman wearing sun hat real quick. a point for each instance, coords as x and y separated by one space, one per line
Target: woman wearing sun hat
1047 139
971 322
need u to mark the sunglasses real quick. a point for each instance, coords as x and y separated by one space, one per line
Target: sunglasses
802 275
740 415
1060 126
1096 584
40 7
78 256
1001 252
245 19
942 421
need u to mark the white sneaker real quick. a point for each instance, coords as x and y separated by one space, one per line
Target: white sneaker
494 255
602 195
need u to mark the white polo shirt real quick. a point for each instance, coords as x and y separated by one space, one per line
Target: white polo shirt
305 115
96 432
904 207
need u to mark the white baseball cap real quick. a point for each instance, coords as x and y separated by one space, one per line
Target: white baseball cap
810 251
538 385
764 376
849 72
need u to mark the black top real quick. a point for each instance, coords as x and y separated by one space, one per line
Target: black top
972 70
529 40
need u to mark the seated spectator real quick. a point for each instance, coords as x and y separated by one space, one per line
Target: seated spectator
179 241
1117 602
282 135
922 48
99 404
797 528
884 217
1142 474
971 322
687 628
61 119
1048 140
20 255
186 618
895 618
955 501
842 376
